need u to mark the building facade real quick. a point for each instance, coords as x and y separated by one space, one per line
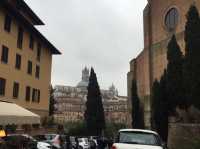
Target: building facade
26 58
162 19
70 102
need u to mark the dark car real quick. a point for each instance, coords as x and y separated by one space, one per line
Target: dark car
19 141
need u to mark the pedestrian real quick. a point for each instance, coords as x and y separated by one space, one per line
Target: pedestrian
100 143
68 144
77 143
92 144
105 143
57 142
61 142
2 144
110 143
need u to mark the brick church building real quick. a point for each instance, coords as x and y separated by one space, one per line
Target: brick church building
162 19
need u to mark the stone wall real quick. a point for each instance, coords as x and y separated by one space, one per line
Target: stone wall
184 136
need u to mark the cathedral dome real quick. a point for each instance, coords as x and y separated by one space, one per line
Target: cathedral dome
82 84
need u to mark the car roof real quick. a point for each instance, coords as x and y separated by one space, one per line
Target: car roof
50 134
83 138
24 135
138 130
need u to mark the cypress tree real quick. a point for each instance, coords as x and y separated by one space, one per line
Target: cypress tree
160 107
174 75
51 101
192 54
137 113
94 114
165 107
156 106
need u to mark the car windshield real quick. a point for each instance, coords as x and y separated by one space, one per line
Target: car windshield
139 138
50 136
83 140
72 139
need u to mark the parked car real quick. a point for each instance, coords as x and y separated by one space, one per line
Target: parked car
44 141
20 141
83 143
93 143
138 139
43 145
94 138
44 137
39 137
50 137
73 142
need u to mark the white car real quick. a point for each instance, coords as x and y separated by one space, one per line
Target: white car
43 145
83 143
138 139
94 138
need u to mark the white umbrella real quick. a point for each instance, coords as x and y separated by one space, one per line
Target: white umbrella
11 113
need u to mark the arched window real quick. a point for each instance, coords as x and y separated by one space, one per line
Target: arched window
171 19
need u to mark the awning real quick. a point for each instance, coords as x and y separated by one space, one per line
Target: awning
11 113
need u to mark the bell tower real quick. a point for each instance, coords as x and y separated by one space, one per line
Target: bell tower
85 74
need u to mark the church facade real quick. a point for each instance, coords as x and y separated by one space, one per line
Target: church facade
162 19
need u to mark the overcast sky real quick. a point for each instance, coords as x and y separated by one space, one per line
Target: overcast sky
105 34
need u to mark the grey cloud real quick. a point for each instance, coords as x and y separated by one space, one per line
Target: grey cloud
105 34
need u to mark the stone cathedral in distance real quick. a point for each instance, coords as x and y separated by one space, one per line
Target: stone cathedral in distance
70 102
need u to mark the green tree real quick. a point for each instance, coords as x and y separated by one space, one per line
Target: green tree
165 107
113 128
160 107
174 75
94 114
51 101
137 113
192 54
156 105
75 128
